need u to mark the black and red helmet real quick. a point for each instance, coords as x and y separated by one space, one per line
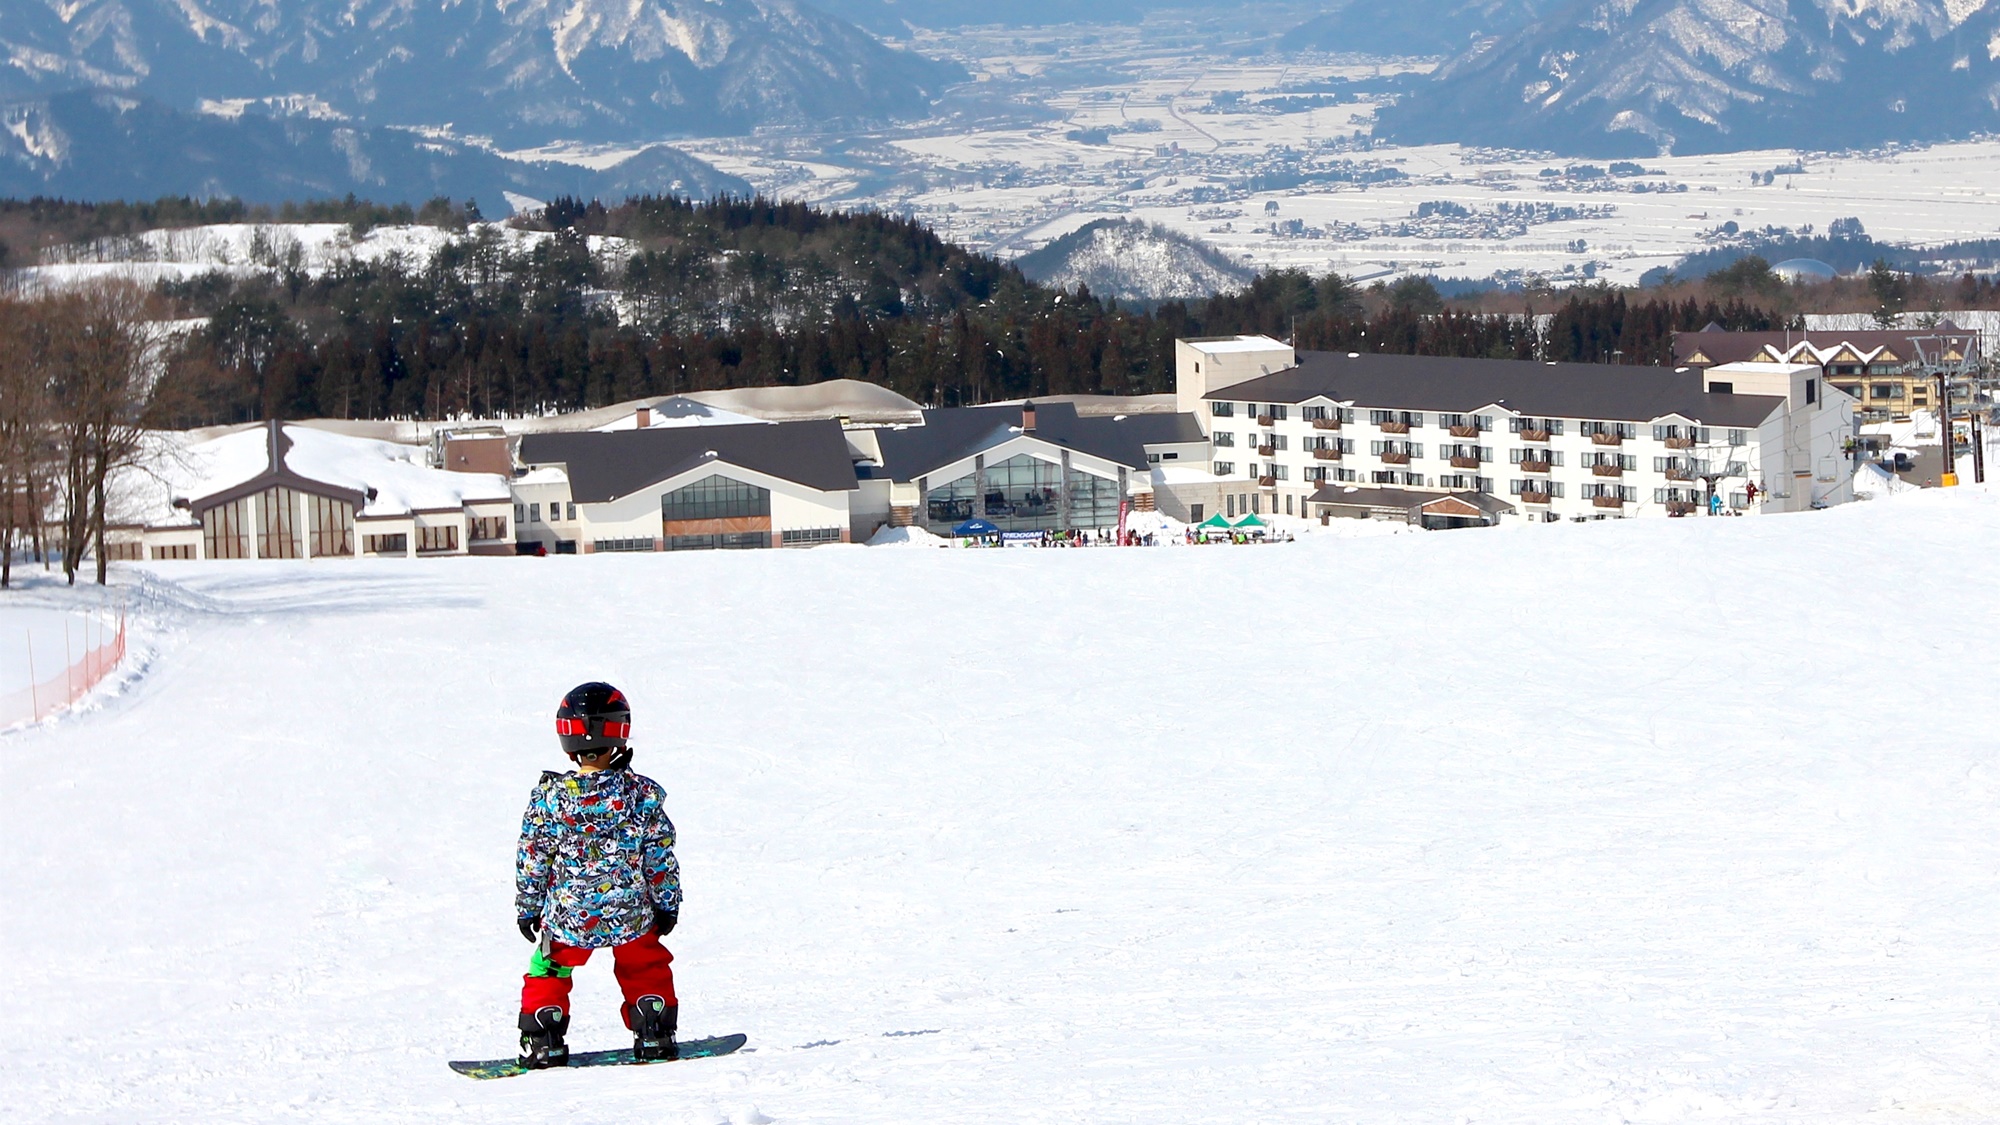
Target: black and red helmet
593 717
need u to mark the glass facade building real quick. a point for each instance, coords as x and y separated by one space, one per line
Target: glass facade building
1024 493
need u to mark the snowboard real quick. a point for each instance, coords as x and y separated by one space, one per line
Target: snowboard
622 1056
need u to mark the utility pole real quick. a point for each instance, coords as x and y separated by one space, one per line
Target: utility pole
1950 477
1948 355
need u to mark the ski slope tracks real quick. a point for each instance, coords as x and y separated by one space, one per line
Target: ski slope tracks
1577 823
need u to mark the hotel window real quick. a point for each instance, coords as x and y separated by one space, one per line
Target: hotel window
437 538
1224 439
810 536
1221 409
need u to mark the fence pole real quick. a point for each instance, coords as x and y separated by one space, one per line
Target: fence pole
69 659
34 694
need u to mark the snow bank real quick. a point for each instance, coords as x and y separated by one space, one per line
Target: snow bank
907 537
1582 825
1872 482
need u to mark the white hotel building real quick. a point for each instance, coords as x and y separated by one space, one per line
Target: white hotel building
1340 433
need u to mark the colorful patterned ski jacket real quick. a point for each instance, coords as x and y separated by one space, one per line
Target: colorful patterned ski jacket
596 857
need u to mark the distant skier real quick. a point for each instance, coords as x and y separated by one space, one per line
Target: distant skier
596 869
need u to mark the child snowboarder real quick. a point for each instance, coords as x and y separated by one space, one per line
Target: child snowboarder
596 869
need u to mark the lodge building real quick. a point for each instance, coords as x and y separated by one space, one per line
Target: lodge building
1295 432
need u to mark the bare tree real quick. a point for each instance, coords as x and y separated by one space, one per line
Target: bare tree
98 348
23 431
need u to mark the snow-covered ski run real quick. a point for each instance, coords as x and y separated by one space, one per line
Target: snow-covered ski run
1641 821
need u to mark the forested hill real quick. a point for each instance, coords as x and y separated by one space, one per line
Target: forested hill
662 295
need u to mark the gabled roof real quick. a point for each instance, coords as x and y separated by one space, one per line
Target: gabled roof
1405 499
1612 392
277 474
606 466
951 435
1821 346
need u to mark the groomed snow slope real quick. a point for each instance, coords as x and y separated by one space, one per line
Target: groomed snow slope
1572 823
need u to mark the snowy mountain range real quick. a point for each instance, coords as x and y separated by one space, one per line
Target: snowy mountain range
1413 27
99 145
525 71
1133 261
1640 77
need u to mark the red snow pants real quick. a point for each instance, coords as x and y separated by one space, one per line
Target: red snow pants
643 968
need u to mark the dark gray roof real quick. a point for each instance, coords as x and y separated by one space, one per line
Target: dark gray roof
949 435
1612 392
1402 498
1161 429
605 466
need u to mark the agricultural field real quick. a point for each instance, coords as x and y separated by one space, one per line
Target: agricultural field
1269 158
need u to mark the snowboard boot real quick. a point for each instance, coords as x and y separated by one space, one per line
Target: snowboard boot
653 1023
542 1043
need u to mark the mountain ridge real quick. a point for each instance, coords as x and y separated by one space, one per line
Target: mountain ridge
97 145
528 71
1644 77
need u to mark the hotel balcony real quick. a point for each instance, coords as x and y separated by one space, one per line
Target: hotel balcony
1607 439
1539 468
1326 423
1606 471
1608 502
1465 431
1326 454
1465 462
1395 427
1534 497
1680 443
1395 458
1534 435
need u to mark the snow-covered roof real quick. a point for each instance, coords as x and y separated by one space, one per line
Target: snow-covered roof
680 411
388 478
1223 345
395 474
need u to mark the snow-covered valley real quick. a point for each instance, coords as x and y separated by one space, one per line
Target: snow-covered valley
1643 820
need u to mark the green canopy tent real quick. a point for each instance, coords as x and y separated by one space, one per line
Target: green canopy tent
1250 523
1214 523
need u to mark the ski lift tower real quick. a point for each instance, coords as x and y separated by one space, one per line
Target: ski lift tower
1951 356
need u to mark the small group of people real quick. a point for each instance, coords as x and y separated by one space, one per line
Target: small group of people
1075 537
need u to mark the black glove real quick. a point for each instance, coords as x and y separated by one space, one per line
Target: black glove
531 926
665 920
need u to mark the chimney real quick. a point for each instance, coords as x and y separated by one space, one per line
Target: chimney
642 418
1027 417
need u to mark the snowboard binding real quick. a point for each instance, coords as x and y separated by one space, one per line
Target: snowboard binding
653 1023
542 1045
